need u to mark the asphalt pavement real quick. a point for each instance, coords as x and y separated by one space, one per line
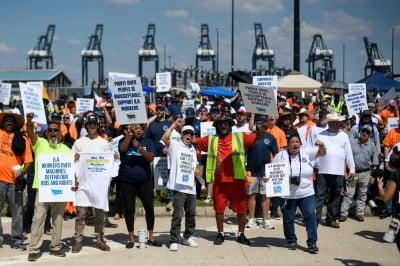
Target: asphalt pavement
355 243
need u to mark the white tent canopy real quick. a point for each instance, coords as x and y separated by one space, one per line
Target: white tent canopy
297 82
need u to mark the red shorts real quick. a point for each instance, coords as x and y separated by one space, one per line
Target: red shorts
234 191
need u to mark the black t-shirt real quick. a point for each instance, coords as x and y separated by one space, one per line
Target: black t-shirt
395 177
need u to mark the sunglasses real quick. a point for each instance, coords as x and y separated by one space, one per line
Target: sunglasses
66 117
260 122
324 104
53 129
188 133
203 111
160 110
214 112
223 123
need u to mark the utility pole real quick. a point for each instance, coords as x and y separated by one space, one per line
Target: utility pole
232 40
217 66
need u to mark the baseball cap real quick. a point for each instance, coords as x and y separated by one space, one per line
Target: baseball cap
367 128
167 95
190 112
160 106
92 118
205 97
366 113
55 116
393 103
188 128
241 110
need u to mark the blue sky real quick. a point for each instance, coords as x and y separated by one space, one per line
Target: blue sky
178 25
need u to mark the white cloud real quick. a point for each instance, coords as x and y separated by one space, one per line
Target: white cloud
179 13
73 41
123 2
246 6
4 48
190 31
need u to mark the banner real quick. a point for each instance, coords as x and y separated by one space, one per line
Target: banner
163 81
128 100
84 105
32 101
267 81
258 99
5 93
93 172
160 165
185 171
278 184
56 177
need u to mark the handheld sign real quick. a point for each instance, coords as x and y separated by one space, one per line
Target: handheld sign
278 184
268 82
160 172
56 177
163 81
5 93
32 102
258 99
83 105
185 172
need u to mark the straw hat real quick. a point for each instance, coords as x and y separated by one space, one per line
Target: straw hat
19 119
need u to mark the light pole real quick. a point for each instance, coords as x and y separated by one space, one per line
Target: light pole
217 65
232 40
392 29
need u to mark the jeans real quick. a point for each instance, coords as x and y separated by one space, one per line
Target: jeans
14 200
276 202
307 207
334 184
361 181
183 202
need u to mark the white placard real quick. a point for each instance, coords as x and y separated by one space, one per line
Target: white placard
386 98
117 75
128 100
185 171
163 81
278 184
207 128
258 99
56 177
32 101
267 81
187 103
393 122
93 172
5 93
84 105
160 170
356 102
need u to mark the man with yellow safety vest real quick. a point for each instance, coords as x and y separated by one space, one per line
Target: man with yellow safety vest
226 168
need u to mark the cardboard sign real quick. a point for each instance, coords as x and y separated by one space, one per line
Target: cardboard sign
129 102
258 99
32 102
278 184
163 81
83 105
56 177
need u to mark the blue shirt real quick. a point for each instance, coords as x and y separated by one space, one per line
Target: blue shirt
154 132
260 154
133 167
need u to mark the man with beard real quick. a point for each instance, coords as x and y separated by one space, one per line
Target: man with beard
226 168
52 145
14 151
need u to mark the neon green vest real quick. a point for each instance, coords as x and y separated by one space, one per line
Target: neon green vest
238 157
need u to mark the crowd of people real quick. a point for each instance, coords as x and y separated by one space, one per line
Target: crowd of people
334 158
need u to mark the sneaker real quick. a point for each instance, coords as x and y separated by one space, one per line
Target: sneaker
267 225
168 207
243 240
103 246
173 247
207 200
57 253
292 246
385 214
111 225
33 256
19 246
342 218
251 223
313 249
372 204
359 218
275 215
77 247
219 239
189 242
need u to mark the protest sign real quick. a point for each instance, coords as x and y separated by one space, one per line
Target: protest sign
278 184
258 99
207 128
160 165
186 104
93 172
392 123
84 105
185 171
163 81
56 177
386 98
267 81
129 102
5 93
31 96
117 75
356 99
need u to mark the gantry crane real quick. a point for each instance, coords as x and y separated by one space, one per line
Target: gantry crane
261 51
204 52
320 52
93 53
148 51
375 62
42 50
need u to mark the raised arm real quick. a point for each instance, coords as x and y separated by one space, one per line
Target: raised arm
30 128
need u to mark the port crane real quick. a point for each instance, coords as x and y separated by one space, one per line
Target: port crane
375 60
204 52
93 53
42 50
320 53
148 51
261 50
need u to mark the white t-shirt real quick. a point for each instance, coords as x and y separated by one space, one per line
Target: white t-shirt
314 131
175 151
245 128
338 150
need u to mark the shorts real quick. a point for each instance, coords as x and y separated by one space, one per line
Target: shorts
257 186
234 191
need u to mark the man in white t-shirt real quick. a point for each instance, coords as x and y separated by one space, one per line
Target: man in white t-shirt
182 156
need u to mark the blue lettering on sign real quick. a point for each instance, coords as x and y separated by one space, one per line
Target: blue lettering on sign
277 189
260 109
185 178
56 191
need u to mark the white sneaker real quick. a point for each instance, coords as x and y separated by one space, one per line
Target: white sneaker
266 224
207 200
372 204
189 242
173 247
251 223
